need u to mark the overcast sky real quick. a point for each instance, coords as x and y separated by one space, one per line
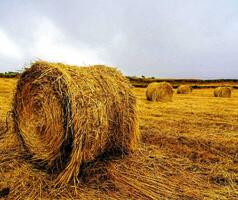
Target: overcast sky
161 38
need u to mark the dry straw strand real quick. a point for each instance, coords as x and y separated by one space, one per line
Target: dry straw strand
65 116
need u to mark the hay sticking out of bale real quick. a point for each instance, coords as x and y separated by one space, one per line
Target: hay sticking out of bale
66 115
159 92
222 92
184 89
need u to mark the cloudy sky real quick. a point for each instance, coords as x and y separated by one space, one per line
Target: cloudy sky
161 38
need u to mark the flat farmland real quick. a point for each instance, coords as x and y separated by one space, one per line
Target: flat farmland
188 150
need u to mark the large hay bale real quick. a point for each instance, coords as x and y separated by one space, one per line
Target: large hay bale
65 116
162 91
222 92
184 89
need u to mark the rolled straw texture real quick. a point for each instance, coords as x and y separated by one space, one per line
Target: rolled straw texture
65 116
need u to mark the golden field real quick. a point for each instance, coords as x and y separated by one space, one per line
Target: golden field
188 150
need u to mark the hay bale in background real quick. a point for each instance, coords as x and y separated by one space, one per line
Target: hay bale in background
65 116
222 92
159 92
184 89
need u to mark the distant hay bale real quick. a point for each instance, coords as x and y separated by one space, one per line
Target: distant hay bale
159 92
222 92
184 89
66 115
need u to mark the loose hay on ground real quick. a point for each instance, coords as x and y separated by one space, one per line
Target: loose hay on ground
189 152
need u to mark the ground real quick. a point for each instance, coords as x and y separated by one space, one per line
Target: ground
188 150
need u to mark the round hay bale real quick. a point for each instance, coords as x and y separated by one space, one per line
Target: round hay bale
184 89
65 116
162 91
222 92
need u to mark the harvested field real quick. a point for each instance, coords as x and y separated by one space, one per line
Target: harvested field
188 151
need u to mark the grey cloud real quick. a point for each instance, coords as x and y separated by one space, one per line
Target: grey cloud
165 38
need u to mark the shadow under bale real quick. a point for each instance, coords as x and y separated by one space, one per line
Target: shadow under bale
65 116
4 192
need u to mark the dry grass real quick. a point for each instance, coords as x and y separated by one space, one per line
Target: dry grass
201 133
7 88
188 151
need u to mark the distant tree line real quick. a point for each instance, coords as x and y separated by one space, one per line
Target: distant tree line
9 74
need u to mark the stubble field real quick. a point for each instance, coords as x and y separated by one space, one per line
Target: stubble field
188 150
